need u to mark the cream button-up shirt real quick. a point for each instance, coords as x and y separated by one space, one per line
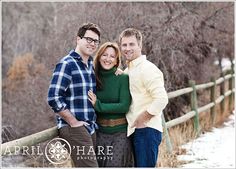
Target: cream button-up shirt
148 93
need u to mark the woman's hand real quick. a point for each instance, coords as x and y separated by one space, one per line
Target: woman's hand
92 97
119 72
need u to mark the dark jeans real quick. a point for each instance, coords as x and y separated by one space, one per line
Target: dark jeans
146 142
79 136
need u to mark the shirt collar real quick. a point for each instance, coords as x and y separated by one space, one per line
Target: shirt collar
78 57
137 61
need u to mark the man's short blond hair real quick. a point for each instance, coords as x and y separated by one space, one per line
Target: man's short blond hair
131 32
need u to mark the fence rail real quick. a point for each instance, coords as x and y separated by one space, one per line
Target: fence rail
10 147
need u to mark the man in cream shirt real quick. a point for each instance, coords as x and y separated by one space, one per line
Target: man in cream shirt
149 98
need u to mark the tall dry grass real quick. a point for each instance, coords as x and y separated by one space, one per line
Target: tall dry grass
183 133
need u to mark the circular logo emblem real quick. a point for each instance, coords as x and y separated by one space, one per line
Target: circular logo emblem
56 151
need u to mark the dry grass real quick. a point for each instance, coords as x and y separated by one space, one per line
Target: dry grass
184 133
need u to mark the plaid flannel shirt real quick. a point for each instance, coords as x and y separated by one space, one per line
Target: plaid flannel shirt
71 81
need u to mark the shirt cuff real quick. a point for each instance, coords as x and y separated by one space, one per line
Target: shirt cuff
154 111
59 109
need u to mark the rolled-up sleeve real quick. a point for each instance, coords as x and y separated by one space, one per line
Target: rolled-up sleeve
60 82
155 87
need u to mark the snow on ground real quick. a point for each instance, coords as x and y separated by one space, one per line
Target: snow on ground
226 64
214 149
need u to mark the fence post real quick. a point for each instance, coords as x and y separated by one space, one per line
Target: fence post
231 83
168 142
194 107
222 92
231 95
213 97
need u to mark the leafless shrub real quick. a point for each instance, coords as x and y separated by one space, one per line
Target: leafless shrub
24 96
182 38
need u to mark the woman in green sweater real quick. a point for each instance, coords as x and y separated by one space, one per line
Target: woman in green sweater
111 102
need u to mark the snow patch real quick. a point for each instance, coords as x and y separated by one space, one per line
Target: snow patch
226 63
215 149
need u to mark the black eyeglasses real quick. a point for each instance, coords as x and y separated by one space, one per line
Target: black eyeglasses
90 40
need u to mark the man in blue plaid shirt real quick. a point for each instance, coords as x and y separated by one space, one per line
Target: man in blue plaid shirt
72 78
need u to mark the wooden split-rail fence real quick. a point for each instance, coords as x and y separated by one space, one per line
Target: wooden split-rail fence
194 113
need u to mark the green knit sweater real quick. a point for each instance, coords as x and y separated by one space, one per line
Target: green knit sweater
113 100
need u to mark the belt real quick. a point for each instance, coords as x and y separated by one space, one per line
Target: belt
111 122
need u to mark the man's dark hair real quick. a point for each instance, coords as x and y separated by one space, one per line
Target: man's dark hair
88 26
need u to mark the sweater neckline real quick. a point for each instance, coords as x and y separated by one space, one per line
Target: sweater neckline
104 72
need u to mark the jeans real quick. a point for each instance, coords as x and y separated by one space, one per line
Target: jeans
146 142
